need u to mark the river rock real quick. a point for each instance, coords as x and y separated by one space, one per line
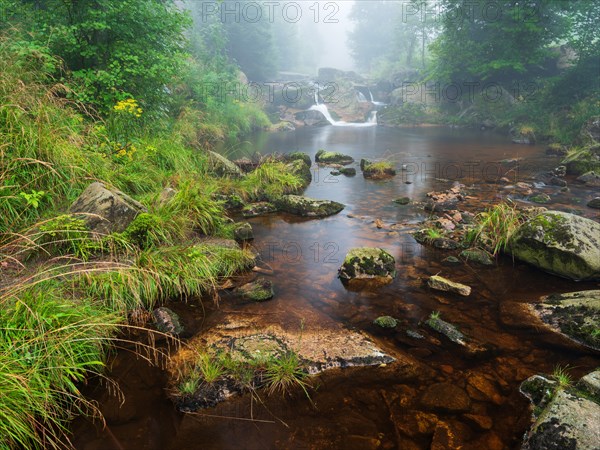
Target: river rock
446 200
348 171
445 244
300 168
574 314
258 209
477 255
379 171
386 322
307 207
326 157
556 149
295 156
594 203
402 201
567 418
559 243
259 290
320 344
442 284
243 232
590 179
167 321
540 198
223 167
447 397
368 263
106 210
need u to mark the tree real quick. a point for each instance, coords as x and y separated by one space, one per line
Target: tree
114 49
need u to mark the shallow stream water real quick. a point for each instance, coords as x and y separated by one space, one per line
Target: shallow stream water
364 408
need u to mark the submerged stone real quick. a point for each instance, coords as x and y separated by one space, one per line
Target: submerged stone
443 284
540 198
308 207
368 263
257 291
559 243
447 397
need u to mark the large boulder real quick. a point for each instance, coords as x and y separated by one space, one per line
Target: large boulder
222 166
307 207
300 168
566 418
368 263
559 243
106 210
574 314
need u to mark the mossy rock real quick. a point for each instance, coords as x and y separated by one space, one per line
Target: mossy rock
229 201
386 322
144 231
325 157
223 167
379 171
566 417
307 207
243 232
574 314
258 209
540 198
368 263
477 255
402 201
300 168
257 291
348 171
560 243
299 156
594 203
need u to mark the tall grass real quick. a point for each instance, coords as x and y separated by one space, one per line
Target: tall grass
495 226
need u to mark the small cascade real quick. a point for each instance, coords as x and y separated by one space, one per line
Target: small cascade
371 95
361 97
372 120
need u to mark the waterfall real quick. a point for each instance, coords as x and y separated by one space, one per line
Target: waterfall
361 97
372 120
371 95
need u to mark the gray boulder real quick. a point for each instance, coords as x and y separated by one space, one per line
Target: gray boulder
222 167
559 243
106 210
566 417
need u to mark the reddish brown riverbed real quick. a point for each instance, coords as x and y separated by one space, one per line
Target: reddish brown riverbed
364 408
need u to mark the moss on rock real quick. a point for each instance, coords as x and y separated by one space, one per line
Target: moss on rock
560 243
368 263
307 207
326 157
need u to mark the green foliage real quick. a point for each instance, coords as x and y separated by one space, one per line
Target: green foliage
114 49
64 235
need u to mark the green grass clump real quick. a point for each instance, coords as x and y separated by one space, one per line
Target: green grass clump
495 227
270 180
561 375
48 345
380 167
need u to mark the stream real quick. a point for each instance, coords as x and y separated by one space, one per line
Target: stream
371 407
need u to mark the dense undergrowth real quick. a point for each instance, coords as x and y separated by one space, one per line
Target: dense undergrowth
66 293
